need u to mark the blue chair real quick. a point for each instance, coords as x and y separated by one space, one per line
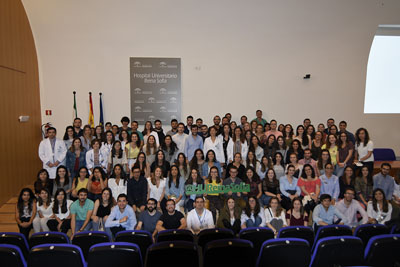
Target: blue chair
139 237
366 231
302 232
395 229
332 230
256 235
121 254
383 250
60 255
175 235
48 238
86 239
284 252
174 253
382 154
228 252
11 255
16 239
208 235
338 251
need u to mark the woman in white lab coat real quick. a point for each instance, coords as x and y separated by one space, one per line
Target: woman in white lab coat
52 159
214 143
95 157
237 144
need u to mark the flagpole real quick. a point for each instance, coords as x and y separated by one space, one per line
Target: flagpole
75 109
101 121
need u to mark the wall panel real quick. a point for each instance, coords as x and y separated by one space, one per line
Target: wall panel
19 88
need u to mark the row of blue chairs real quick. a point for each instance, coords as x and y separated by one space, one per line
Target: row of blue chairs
381 250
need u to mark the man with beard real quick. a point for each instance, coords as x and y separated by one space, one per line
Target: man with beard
172 219
159 130
148 219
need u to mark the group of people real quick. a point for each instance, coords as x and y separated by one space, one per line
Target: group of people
116 178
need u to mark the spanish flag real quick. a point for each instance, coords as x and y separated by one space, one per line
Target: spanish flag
91 116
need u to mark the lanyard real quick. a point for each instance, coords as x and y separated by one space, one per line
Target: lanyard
201 218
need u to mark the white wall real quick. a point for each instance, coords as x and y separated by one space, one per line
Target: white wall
252 54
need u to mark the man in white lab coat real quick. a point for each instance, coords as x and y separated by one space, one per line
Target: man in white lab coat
52 152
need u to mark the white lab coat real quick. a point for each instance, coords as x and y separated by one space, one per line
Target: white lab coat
90 160
229 150
46 155
217 147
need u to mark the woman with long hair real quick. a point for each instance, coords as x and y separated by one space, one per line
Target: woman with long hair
255 147
252 179
310 186
149 131
226 138
214 143
281 147
253 214
150 149
214 199
345 155
102 209
288 134
197 161
44 211
251 160
364 149
288 187
141 162
278 165
80 181
296 215
76 157
118 181
331 146
99 133
183 166
379 210
175 187
62 181
124 137
69 136
301 135
117 157
170 149
316 145
265 164
161 162
96 157
87 137
346 180
156 188
237 144
270 187
324 158
210 162
275 216
61 218
364 186
25 211
270 146
196 180
230 215
237 162
42 182
97 182
107 144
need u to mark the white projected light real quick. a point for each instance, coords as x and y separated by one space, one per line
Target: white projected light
382 92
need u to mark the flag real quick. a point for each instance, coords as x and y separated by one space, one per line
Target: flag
101 121
75 110
91 116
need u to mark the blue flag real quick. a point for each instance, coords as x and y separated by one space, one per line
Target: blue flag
101 122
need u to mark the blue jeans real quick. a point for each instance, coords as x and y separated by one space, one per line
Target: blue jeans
251 223
79 223
265 200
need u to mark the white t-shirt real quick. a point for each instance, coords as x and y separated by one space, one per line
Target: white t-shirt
45 212
363 151
117 189
63 216
269 215
156 192
197 223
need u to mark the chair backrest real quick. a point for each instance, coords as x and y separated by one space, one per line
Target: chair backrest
366 231
175 235
395 229
208 235
174 253
285 252
48 238
383 250
60 255
338 250
331 230
86 239
257 235
229 252
16 239
381 154
11 255
139 237
302 232
121 254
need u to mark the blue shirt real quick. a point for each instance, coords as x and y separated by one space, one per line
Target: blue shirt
191 144
284 185
116 215
327 216
330 186
173 190
386 183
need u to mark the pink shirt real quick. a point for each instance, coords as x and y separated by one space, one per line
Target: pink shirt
312 162
276 133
